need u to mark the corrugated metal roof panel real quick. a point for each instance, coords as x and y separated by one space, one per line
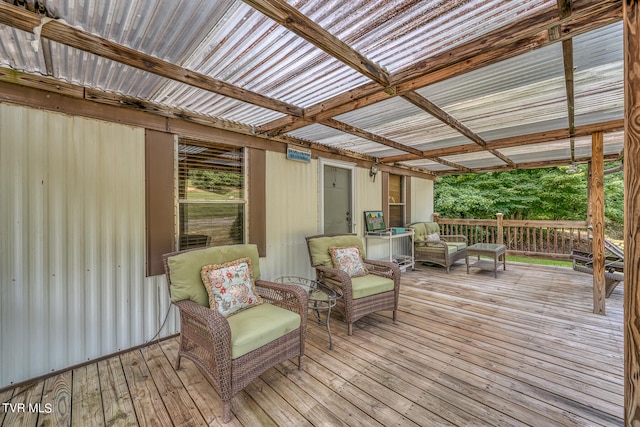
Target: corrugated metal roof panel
335 138
230 41
561 150
16 51
249 50
428 164
497 100
599 75
399 121
481 159
398 33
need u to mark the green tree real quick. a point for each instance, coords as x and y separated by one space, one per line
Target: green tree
536 194
214 181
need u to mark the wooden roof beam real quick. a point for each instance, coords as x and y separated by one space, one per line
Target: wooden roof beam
531 165
290 18
493 47
55 30
514 141
565 10
353 130
344 127
440 114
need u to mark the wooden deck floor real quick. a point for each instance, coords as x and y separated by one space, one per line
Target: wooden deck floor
467 350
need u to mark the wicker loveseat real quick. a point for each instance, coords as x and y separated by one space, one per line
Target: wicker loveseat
376 291
430 246
231 350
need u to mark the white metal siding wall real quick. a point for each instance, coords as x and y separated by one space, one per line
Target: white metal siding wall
292 214
72 283
368 196
421 200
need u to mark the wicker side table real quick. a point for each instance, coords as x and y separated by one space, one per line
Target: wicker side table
321 298
497 252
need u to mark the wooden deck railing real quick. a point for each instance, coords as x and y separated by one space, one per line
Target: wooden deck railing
542 239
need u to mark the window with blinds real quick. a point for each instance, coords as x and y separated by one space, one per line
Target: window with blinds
211 194
396 201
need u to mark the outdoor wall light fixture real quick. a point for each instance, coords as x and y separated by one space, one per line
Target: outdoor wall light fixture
374 171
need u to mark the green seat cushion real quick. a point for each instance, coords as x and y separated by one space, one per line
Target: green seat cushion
457 245
452 249
185 268
370 285
256 326
319 248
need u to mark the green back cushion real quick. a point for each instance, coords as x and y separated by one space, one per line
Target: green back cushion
419 232
422 229
319 248
432 227
370 285
259 325
186 281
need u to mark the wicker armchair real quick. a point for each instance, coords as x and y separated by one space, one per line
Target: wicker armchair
232 351
378 290
430 246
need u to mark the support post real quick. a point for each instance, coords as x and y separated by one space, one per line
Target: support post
596 199
500 229
631 38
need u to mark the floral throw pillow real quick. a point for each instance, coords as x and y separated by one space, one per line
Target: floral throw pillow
348 260
230 286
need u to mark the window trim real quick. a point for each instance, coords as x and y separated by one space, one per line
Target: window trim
161 195
185 201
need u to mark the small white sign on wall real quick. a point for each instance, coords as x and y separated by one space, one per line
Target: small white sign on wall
298 154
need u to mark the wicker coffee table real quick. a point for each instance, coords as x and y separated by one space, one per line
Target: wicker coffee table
321 298
496 252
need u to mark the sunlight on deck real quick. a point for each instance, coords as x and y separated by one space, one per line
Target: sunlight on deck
522 349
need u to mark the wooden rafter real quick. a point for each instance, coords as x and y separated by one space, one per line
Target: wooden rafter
527 165
567 54
584 15
447 119
353 130
344 127
289 17
59 32
494 47
292 19
565 9
515 141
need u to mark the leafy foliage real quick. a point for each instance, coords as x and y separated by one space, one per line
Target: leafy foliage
542 194
215 181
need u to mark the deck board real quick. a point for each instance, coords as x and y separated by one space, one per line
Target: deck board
468 350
